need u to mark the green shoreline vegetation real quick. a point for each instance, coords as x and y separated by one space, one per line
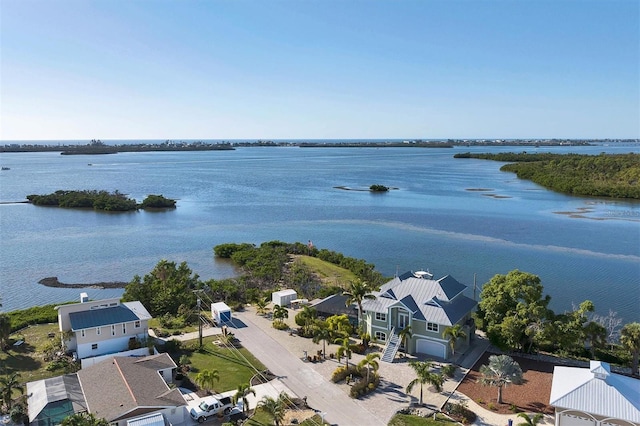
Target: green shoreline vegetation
603 175
100 200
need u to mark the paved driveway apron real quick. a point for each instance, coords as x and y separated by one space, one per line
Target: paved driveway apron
303 380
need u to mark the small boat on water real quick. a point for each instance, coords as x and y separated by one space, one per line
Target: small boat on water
6 168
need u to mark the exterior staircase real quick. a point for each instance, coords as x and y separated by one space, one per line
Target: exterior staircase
392 346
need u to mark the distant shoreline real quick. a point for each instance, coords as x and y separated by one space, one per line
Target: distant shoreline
54 282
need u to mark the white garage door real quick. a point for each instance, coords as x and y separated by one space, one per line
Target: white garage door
430 347
573 420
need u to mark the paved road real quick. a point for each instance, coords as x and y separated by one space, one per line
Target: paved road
301 378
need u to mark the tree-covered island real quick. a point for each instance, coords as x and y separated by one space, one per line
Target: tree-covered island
603 175
100 200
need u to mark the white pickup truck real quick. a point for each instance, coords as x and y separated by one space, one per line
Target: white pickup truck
211 406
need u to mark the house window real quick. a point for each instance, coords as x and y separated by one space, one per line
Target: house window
98 330
124 328
432 326
381 316
82 333
94 346
137 324
113 330
380 336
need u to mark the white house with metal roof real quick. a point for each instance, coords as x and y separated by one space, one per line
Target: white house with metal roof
100 327
429 306
594 396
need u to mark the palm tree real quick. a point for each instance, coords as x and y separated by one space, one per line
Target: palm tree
630 339
275 407
454 333
424 375
244 390
280 313
530 420
358 292
305 319
84 419
9 384
405 334
321 333
261 305
345 349
597 335
369 361
502 369
206 379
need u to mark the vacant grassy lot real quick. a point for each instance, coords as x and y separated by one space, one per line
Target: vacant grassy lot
235 365
329 273
28 358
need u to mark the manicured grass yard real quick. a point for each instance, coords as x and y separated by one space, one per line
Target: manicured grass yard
407 420
235 366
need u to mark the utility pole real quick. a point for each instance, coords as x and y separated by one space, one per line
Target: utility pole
199 322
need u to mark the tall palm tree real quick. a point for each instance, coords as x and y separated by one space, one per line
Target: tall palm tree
9 384
530 420
405 334
370 362
454 333
84 419
321 333
244 390
275 407
345 349
502 369
207 378
305 319
358 292
424 375
630 339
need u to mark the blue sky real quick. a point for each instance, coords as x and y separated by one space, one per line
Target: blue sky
311 69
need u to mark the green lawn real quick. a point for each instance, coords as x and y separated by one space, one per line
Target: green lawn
234 367
408 420
261 418
329 273
28 359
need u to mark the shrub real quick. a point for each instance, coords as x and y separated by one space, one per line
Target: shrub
280 325
449 370
342 372
491 406
361 387
460 412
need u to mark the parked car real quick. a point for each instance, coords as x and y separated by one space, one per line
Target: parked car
211 406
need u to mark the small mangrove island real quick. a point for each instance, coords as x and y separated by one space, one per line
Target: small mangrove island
603 175
100 200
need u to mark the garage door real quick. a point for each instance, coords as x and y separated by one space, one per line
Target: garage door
430 347
573 420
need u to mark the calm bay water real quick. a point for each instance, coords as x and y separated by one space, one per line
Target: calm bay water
451 216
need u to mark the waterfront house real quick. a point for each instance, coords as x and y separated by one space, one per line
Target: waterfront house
428 306
107 326
594 396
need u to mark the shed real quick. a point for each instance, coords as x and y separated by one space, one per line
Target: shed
220 312
283 297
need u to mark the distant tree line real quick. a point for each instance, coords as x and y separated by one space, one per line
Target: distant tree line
604 175
99 200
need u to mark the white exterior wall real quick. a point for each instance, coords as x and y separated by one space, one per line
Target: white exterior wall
283 297
113 345
88 362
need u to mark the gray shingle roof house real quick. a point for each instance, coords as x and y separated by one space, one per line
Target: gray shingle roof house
429 306
594 396
102 327
336 305
118 389
128 387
